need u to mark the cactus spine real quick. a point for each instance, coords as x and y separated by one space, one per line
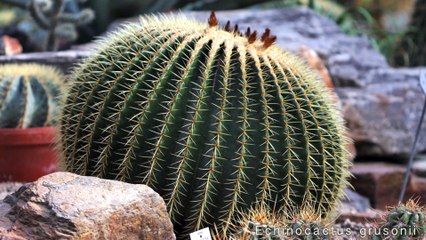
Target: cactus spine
29 95
211 119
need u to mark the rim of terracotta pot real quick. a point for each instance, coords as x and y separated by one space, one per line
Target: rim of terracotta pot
27 136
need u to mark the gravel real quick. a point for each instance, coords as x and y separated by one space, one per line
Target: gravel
350 230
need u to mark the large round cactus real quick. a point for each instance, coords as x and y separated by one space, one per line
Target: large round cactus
212 119
29 95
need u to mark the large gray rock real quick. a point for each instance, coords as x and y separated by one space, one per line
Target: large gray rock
383 115
68 206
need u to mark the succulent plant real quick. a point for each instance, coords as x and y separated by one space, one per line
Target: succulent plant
29 95
403 222
263 223
212 119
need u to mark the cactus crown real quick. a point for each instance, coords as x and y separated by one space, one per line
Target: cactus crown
212 120
29 95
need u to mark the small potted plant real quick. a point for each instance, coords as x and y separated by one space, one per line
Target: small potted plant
29 106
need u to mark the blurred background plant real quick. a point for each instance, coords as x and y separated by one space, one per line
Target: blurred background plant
58 20
387 23
411 49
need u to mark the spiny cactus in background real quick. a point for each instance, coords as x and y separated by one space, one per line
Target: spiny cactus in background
29 95
411 50
404 222
51 16
211 118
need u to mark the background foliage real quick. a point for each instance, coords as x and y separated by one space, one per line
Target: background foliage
387 23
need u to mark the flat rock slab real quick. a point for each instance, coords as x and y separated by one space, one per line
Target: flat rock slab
381 183
68 206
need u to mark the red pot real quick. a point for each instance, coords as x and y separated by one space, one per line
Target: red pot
27 153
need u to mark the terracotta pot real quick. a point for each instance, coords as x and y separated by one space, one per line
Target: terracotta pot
27 154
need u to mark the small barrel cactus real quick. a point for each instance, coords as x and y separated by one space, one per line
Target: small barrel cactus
29 95
403 222
212 119
256 223
264 223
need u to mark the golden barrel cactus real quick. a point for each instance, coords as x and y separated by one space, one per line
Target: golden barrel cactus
213 119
